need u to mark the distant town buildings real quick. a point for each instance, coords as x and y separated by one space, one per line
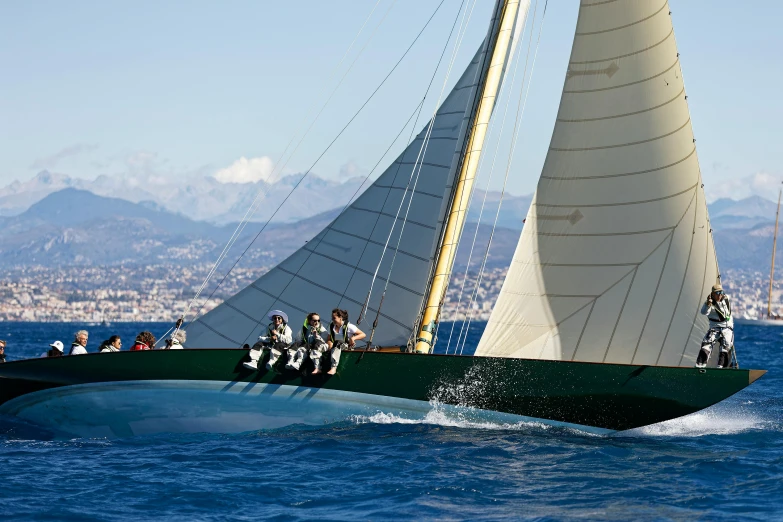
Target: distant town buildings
162 292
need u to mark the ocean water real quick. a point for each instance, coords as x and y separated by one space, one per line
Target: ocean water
725 463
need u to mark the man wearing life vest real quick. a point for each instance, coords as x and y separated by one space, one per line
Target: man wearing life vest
342 334
278 337
717 308
311 337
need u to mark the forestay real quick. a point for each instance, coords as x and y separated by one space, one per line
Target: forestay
616 255
335 268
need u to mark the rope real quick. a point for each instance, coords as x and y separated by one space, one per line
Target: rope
491 172
515 138
262 193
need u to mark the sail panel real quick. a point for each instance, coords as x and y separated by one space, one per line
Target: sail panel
335 268
616 255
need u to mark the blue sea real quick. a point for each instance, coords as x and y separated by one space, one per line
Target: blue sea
725 463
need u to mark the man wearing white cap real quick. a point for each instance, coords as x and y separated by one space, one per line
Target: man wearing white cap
278 336
717 308
56 350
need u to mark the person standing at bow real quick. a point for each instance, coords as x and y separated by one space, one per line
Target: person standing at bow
310 339
342 334
717 308
278 337
79 345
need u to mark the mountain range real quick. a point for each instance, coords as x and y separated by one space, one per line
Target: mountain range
201 199
78 227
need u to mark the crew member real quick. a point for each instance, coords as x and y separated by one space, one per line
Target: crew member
111 345
342 334
56 349
278 337
717 308
2 351
311 338
176 341
79 345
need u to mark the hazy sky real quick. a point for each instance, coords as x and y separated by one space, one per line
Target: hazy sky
178 89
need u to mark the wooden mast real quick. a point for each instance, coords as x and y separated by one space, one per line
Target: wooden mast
464 182
774 247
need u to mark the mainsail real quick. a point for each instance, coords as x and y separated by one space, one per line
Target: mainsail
617 253
336 267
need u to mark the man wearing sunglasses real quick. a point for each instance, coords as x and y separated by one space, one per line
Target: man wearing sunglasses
717 308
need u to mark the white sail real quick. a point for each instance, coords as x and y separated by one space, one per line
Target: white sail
616 255
335 268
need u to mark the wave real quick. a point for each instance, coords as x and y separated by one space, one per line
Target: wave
708 422
466 418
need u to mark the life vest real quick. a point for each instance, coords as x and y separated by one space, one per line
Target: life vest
345 333
723 309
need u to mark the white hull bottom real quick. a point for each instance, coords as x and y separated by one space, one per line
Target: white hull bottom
123 409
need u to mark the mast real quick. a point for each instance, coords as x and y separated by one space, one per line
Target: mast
774 247
464 183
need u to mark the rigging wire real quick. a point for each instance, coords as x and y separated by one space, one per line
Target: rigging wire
262 193
491 172
418 163
301 179
515 138
415 112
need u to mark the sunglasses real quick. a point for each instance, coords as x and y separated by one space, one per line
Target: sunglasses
719 292
277 318
315 321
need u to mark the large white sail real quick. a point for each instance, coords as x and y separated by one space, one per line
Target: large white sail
335 268
616 255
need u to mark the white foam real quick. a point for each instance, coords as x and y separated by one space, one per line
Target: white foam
709 422
439 417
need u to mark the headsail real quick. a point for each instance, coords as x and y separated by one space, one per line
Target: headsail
336 267
616 255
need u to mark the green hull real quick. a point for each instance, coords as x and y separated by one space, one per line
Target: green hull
607 396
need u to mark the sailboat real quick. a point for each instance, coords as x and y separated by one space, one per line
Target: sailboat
771 319
597 325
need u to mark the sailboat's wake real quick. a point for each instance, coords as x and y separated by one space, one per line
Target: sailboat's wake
465 418
709 422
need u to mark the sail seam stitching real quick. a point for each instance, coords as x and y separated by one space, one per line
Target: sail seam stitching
637 232
660 276
358 269
424 259
228 304
695 314
625 144
641 201
277 299
341 296
604 176
682 283
579 91
626 114
584 327
391 216
406 189
620 315
626 25
628 54
220 334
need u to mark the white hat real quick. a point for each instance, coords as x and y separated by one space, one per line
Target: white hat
281 313
58 345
